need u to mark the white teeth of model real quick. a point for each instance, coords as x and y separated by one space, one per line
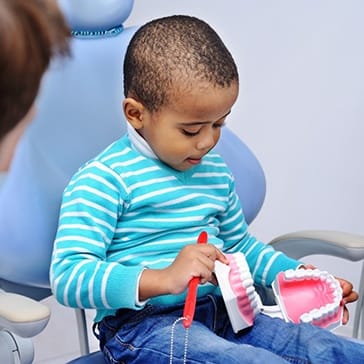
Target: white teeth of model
289 274
337 300
331 308
337 304
300 274
254 304
308 273
324 312
248 283
316 274
244 276
337 294
252 297
335 285
250 290
306 318
329 281
316 314
324 275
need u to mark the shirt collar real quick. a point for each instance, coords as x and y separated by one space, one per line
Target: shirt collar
139 143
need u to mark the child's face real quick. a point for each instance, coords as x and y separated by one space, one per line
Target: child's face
181 133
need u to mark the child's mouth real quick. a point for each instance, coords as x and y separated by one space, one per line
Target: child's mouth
194 161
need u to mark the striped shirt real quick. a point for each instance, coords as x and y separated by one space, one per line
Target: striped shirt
123 212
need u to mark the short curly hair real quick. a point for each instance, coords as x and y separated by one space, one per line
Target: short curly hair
168 52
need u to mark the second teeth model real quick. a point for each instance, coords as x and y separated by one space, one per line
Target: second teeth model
309 296
302 295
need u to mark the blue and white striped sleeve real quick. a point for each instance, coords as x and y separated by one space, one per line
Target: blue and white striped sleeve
80 274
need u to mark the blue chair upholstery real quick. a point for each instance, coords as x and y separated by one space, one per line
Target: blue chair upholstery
79 114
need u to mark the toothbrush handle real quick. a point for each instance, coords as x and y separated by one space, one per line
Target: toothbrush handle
190 304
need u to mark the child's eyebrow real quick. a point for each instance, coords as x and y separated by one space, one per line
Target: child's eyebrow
204 122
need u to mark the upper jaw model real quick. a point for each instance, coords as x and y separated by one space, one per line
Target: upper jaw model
302 295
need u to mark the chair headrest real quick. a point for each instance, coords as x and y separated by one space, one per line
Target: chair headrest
95 15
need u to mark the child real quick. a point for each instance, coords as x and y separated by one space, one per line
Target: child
31 33
126 242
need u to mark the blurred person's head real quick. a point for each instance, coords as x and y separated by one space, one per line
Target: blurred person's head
31 33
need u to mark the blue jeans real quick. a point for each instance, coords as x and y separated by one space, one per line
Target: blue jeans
145 337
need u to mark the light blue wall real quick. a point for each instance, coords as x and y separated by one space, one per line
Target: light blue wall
301 107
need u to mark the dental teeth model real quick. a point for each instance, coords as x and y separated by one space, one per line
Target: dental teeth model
309 296
303 295
237 288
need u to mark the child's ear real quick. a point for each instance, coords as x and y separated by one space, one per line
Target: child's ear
134 111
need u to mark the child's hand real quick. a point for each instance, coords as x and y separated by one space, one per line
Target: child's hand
349 295
197 260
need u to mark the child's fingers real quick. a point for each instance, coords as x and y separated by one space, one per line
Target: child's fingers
221 257
345 316
349 295
211 252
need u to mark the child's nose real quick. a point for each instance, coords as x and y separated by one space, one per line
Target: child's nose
207 140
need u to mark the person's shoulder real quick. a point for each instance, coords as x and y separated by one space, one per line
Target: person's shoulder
114 152
119 150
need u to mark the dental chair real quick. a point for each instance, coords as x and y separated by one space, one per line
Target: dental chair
80 113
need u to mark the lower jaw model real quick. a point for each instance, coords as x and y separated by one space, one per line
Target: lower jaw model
302 295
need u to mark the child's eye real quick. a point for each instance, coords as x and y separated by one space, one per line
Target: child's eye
190 133
219 125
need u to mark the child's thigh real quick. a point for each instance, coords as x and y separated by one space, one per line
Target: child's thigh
302 343
158 340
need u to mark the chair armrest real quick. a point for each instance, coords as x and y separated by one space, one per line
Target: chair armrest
302 243
22 315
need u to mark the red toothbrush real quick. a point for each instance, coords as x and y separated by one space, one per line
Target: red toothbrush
190 304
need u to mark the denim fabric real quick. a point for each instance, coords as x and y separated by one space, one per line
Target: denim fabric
145 337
